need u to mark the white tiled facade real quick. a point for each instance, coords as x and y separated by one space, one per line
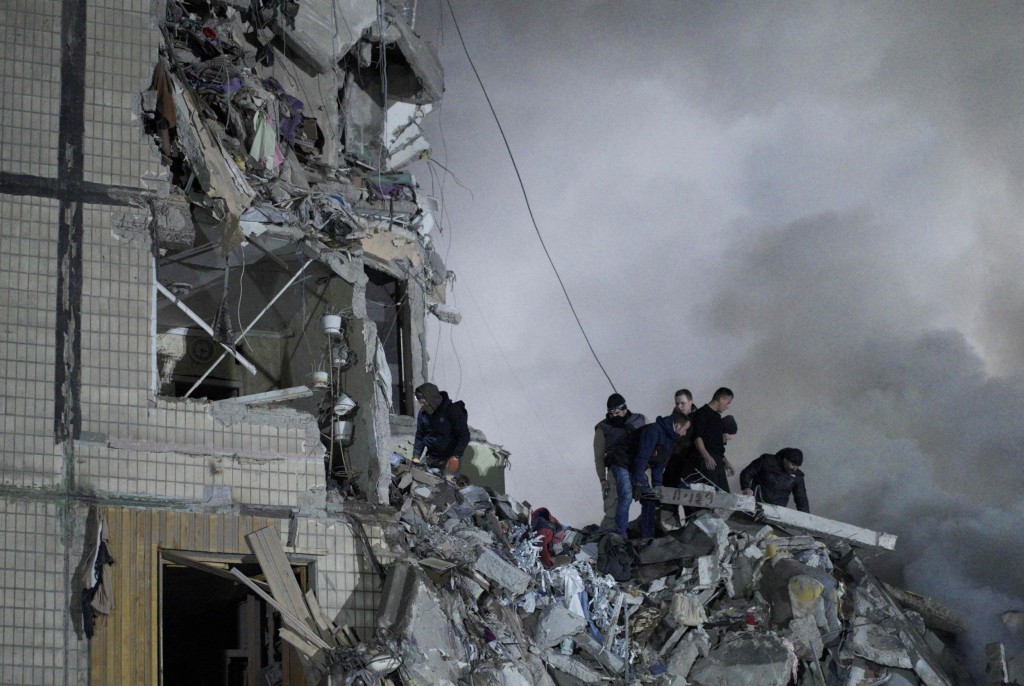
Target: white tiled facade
133 449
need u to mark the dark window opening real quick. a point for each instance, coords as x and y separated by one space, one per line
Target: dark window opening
210 388
387 306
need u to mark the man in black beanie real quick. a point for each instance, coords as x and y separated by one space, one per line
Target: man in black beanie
441 428
773 478
613 452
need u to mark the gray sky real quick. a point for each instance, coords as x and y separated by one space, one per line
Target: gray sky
819 205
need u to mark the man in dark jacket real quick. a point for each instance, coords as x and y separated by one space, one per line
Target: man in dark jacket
441 429
656 442
773 478
614 445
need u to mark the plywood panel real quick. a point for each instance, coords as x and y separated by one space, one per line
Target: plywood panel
125 648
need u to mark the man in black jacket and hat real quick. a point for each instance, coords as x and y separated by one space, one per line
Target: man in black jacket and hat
614 445
773 478
441 428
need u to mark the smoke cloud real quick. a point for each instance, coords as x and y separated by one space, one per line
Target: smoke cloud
818 205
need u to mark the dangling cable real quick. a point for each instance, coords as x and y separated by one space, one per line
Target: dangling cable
526 197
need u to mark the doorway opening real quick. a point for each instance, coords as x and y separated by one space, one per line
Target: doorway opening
214 631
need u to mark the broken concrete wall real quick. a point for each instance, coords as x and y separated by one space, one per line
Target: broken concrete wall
85 190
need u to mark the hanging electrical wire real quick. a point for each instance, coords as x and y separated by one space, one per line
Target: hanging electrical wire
526 197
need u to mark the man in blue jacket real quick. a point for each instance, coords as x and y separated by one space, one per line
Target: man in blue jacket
656 442
441 429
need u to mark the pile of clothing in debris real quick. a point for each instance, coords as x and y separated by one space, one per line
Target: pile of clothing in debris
490 591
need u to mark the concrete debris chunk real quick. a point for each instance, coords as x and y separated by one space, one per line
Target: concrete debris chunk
710 499
685 654
874 643
828 527
1013 620
574 667
996 671
746 659
498 570
556 623
410 610
936 616
806 638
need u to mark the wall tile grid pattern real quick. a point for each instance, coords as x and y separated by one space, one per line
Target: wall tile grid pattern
176 476
347 586
33 630
28 280
116 335
30 106
122 53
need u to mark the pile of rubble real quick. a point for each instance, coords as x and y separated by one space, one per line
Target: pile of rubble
489 591
320 154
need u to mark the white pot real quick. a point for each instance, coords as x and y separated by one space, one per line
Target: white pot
332 324
344 405
343 431
321 380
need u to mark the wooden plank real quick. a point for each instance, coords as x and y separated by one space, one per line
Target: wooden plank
298 642
230 533
266 545
185 560
100 645
326 626
297 626
127 662
201 532
216 531
155 635
141 599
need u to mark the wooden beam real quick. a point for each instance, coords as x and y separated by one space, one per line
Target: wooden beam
186 561
299 628
266 546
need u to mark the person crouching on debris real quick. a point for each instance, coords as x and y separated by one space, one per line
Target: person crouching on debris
441 429
773 478
655 446
614 446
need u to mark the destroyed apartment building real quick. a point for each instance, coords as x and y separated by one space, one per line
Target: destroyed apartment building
219 267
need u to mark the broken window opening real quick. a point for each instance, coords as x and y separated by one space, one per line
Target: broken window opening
387 305
215 631
206 300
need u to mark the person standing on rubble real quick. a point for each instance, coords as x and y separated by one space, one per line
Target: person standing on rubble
669 514
773 478
441 428
614 446
706 460
655 446
674 467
